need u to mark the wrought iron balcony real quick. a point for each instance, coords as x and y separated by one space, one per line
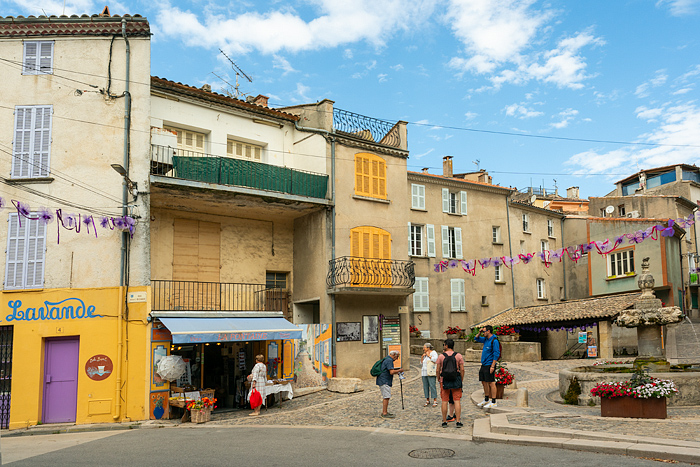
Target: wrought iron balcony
351 271
216 296
367 128
197 166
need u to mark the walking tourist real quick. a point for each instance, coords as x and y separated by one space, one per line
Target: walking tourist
385 379
258 380
428 373
450 368
489 357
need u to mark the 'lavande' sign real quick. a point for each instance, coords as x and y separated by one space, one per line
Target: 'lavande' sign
70 308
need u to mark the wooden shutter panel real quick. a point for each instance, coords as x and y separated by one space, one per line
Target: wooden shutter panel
410 249
445 242
16 246
386 245
381 179
22 144
36 249
454 294
458 243
42 142
421 197
445 200
425 296
463 202
45 57
430 237
31 58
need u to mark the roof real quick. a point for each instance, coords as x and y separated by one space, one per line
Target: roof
460 180
568 311
657 169
210 96
532 207
74 25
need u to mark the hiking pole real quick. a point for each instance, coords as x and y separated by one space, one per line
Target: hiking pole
401 385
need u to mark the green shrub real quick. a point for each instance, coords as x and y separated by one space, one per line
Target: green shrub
571 396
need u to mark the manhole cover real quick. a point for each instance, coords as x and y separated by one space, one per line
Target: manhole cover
431 453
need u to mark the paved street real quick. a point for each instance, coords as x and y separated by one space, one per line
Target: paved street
249 445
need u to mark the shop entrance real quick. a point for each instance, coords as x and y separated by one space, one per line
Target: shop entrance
60 380
5 374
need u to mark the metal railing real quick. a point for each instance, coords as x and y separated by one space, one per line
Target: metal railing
351 271
367 128
190 165
216 296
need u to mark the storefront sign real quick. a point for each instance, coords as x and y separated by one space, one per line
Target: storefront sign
98 367
234 337
70 308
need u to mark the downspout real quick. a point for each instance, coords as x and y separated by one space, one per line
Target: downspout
510 249
118 401
566 296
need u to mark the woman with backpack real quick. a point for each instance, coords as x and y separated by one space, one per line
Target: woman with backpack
428 373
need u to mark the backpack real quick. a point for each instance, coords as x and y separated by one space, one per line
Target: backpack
449 368
500 350
376 368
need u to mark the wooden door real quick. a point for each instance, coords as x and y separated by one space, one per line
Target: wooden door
196 262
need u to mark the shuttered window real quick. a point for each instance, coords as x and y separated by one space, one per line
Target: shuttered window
38 58
457 300
417 196
370 176
241 150
31 148
454 202
26 251
188 140
370 242
421 300
451 242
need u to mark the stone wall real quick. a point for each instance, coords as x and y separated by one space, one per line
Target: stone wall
512 351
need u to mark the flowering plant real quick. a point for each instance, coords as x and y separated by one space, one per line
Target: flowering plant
454 330
641 386
202 404
505 331
503 376
412 328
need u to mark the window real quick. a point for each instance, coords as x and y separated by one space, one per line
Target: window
544 245
32 144
540 289
621 210
276 280
496 234
421 301
457 295
451 242
454 202
550 228
417 196
241 150
621 263
421 240
370 242
526 223
188 140
484 300
522 246
498 273
38 58
26 249
370 176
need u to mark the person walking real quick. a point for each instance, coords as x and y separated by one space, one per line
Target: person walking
258 380
487 372
450 368
385 380
428 373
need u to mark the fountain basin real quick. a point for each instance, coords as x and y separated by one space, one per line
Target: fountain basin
686 377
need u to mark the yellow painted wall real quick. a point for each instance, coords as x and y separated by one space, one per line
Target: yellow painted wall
98 335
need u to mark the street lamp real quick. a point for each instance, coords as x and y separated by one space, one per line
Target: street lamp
132 186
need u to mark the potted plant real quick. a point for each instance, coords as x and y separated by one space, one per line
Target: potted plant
455 332
643 396
414 331
506 334
503 378
200 411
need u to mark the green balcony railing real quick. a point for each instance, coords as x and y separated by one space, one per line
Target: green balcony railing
189 165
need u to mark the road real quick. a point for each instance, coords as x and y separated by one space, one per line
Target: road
285 446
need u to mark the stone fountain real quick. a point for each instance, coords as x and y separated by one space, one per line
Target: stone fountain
648 316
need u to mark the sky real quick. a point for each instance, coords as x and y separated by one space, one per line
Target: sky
544 94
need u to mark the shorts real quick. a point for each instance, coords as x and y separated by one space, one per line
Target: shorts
485 374
450 394
385 389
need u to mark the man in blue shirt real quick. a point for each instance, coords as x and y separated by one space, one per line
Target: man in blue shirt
489 357
385 379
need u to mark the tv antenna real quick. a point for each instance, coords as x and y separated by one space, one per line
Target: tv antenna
238 71
476 162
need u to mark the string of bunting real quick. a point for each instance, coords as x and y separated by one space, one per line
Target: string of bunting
74 222
574 253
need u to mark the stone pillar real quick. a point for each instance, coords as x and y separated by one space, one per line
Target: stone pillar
405 337
605 340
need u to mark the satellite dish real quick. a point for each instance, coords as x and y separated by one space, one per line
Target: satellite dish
533 198
610 209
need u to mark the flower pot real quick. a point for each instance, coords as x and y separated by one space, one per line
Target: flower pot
509 338
200 416
499 390
631 407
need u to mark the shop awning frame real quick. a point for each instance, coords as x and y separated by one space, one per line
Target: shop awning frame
187 329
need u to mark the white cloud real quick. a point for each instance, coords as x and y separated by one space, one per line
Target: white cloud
682 91
282 64
650 115
335 24
419 156
382 77
347 53
397 67
302 92
658 80
422 122
677 134
566 116
521 112
471 115
679 7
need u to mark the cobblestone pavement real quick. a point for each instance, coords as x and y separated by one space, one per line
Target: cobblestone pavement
546 410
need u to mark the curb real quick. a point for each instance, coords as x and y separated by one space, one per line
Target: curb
49 430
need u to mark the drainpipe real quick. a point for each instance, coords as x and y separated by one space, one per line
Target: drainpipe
566 296
510 249
118 397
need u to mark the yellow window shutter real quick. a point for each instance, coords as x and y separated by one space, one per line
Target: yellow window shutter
386 246
355 243
366 253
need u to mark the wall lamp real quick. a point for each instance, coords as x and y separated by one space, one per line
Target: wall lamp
132 186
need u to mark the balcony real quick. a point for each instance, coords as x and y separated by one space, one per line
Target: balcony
367 128
349 274
200 167
216 297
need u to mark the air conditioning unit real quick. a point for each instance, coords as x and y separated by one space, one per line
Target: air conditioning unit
633 214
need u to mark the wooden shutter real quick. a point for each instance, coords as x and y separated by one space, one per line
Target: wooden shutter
421 297
22 147
31 58
36 250
463 203
457 294
45 57
458 243
410 241
361 175
430 239
445 241
196 262
445 200
32 144
42 142
16 251
370 176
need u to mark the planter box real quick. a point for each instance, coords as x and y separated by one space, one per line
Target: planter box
509 338
654 407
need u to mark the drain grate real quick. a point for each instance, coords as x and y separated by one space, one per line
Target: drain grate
431 453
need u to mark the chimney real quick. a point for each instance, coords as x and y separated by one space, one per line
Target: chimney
447 166
206 87
425 170
260 100
572 192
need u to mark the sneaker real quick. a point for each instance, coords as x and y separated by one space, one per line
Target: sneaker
482 403
444 424
490 405
450 418
388 415
459 424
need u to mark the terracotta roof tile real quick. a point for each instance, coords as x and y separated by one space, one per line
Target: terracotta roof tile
95 25
460 180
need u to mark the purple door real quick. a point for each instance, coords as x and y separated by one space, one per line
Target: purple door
61 380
